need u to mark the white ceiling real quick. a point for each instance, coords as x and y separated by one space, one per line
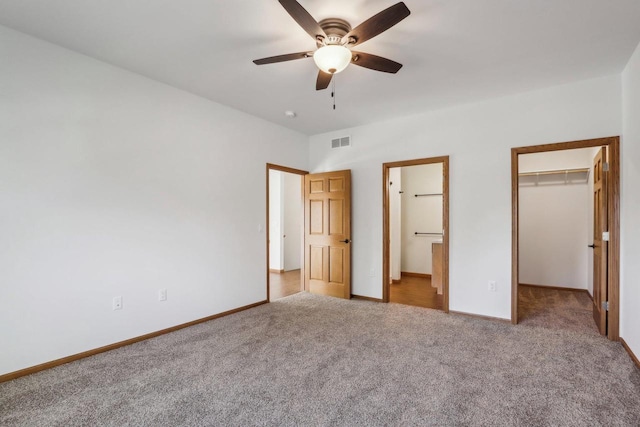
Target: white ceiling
455 51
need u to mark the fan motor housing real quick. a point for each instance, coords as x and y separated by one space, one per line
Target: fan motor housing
335 29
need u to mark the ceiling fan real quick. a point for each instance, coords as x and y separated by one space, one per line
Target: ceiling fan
335 38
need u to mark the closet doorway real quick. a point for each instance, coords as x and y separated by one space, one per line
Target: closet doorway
556 228
284 230
416 232
566 230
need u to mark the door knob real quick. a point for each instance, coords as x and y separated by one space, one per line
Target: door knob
592 246
345 241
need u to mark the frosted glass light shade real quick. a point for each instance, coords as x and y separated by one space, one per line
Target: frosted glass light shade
332 58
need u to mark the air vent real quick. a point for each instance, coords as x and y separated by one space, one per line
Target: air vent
345 141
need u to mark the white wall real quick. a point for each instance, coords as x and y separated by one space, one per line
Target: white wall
292 205
113 184
555 226
478 138
395 223
630 204
275 220
420 214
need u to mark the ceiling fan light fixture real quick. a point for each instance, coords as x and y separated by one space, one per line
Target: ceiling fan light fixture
332 58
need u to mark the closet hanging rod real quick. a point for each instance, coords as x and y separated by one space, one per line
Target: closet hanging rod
427 234
428 194
555 172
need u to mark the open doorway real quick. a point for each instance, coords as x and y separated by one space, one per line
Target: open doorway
284 231
555 208
415 241
565 240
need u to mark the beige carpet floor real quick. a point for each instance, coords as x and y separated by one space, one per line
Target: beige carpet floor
307 360
556 309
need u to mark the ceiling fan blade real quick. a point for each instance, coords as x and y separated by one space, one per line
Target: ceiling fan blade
282 58
374 62
378 23
323 80
303 18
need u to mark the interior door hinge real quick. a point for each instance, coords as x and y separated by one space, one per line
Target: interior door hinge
605 166
605 305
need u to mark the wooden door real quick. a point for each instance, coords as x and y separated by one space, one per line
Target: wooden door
600 245
327 223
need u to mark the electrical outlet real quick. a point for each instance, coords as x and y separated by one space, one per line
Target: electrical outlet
492 286
372 272
162 295
117 303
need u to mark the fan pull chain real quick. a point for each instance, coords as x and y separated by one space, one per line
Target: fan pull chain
333 91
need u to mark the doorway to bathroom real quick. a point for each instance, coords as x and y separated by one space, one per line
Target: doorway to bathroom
416 233
285 231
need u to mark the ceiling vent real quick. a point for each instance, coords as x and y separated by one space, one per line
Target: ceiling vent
345 141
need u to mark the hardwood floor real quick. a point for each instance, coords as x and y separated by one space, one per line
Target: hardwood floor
284 284
415 291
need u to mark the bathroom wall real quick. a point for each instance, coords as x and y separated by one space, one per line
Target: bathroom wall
420 214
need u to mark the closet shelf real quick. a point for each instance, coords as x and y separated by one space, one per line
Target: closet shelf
560 176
